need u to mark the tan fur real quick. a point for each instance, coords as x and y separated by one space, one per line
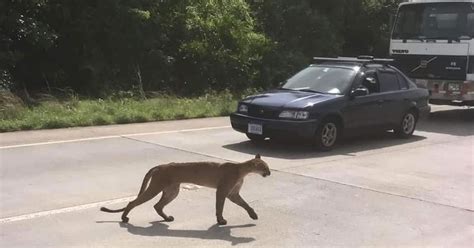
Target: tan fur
227 178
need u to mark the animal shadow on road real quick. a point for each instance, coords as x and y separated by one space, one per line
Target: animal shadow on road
215 232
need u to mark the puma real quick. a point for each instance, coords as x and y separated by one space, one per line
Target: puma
227 178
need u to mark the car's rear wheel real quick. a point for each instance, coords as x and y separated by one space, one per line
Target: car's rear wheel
407 125
327 135
255 137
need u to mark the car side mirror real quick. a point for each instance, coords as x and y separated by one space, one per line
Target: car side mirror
361 91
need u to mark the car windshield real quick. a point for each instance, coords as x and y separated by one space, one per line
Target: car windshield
329 80
435 21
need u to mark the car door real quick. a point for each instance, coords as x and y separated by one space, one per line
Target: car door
391 97
364 111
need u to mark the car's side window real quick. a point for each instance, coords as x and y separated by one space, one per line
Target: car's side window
388 81
402 82
371 82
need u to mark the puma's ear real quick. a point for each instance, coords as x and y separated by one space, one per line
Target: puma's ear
257 156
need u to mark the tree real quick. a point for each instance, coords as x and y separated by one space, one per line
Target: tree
220 47
25 36
367 29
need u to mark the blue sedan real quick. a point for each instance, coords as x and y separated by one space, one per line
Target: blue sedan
333 96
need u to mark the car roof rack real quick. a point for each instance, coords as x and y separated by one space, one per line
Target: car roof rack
363 59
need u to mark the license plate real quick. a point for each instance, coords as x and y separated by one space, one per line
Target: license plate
255 129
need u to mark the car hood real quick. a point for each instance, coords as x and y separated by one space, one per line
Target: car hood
289 99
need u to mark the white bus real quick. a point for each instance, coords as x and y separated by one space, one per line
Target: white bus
432 42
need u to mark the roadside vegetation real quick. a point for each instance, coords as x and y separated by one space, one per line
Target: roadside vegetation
50 112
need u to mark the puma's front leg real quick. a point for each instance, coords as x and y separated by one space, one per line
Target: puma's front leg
221 194
237 199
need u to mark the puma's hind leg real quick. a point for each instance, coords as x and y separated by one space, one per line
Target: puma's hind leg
221 194
169 194
147 195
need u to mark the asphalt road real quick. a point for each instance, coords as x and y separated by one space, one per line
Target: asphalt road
372 191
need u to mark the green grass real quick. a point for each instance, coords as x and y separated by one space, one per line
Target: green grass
74 112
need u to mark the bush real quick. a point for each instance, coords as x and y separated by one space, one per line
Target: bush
52 113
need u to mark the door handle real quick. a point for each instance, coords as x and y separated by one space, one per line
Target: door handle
380 101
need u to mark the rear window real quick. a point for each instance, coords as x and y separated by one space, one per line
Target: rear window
402 82
388 81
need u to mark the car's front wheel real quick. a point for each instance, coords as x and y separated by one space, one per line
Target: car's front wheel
327 135
407 125
255 137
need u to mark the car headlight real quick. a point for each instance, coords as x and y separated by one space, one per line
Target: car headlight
243 108
290 114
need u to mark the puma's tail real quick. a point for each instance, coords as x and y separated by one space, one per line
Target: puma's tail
104 209
144 184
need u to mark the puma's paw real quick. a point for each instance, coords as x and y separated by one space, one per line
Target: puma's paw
169 219
125 219
222 222
253 215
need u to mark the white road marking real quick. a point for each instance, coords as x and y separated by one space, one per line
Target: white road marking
59 142
64 210
81 207
111 137
176 131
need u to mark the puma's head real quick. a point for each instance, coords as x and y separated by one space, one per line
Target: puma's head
259 166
